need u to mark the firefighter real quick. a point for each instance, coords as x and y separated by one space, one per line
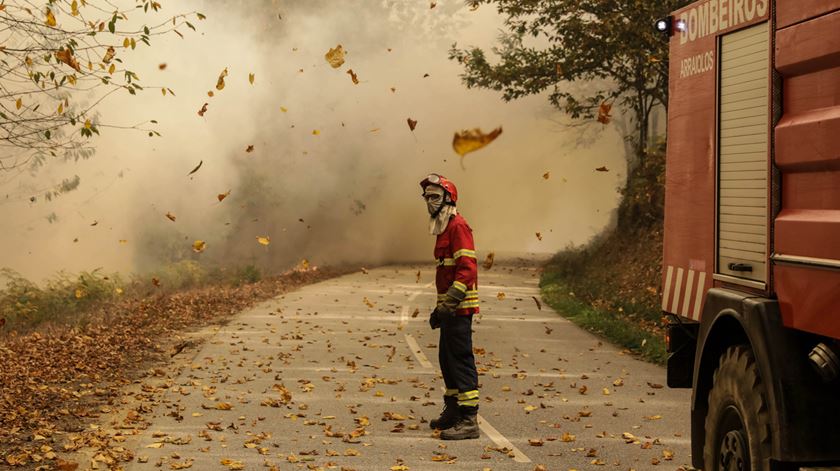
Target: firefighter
457 301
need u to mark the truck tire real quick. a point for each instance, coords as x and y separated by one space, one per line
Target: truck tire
738 421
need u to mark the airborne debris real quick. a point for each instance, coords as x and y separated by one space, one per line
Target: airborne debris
471 140
203 110
220 83
199 246
602 169
488 262
412 123
353 76
604 113
250 148
335 56
264 240
222 196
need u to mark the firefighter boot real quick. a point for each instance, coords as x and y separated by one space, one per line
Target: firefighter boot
466 427
449 415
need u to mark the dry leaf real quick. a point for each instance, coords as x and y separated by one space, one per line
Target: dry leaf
546 175
567 437
412 123
232 464
264 240
316 132
470 140
251 78
335 56
200 162
162 66
558 70
220 84
222 196
203 110
170 216
155 281
199 246
18 103
488 262
535 442
604 113
109 54
500 296
539 235
66 465
602 169
250 148
66 56
432 5
539 305
353 76
50 18
283 109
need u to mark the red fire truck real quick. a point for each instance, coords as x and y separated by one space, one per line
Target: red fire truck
751 265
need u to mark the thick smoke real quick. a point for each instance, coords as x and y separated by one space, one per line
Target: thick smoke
334 178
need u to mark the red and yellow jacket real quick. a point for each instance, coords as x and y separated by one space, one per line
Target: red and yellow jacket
457 265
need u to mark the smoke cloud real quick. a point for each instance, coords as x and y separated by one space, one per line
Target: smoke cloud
334 173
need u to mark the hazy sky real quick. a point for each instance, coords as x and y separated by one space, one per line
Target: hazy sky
354 184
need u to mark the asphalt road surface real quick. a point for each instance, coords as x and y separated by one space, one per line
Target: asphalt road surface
343 375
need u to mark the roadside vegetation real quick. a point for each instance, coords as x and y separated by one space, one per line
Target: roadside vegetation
68 345
611 286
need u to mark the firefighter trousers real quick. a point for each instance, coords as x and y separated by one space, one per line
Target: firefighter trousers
457 363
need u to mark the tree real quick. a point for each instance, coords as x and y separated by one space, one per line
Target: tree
59 59
610 45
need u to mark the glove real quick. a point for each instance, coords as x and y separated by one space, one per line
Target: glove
434 320
450 303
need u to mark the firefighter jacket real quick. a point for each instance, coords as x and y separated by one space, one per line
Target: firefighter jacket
456 264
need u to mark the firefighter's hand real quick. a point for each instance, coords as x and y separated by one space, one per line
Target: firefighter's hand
434 320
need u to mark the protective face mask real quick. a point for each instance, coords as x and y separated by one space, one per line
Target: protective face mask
434 197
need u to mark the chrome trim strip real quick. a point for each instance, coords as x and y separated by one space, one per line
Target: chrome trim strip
828 263
739 281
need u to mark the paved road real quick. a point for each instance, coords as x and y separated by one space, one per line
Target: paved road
341 375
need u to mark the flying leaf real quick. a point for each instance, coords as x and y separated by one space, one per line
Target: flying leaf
200 163
539 236
203 110
432 5
50 18
264 240
488 262
162 66
74 8
251 78
199 246
602 169
66 56
220 84
316 132
19 103
353 76
109 54
604 113
170 216
112 69
546 175
222 196
210 93
283 109
471 140
250 148
2 322
412 123
335 56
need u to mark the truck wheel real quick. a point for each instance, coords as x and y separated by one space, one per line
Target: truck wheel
738 421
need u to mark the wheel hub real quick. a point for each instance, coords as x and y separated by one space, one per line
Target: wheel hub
734 455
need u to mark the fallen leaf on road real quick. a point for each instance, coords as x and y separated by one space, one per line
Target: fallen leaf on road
539 306
567 437
232 464
655 385
500 296
415 313
535 442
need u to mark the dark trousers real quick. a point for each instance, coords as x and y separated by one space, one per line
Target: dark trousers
457 362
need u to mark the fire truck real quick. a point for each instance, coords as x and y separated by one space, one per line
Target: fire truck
751 262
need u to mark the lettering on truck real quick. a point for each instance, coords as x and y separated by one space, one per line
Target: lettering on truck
718 15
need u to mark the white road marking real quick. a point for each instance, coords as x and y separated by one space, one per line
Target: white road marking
415 349
501 441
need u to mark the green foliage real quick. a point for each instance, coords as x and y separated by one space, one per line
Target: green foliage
619 330
64 298
59 62
612 46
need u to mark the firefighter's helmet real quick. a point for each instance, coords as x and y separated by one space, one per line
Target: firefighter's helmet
443 182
